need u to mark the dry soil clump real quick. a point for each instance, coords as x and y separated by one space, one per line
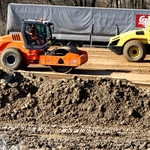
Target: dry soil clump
73 113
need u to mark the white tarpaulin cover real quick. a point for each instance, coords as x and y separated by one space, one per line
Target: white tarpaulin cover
76 20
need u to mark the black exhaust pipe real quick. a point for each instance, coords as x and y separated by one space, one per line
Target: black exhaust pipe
117 30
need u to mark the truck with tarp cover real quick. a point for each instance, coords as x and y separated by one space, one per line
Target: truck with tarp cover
78 25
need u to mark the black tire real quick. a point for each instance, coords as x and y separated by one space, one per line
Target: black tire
69 48
75 44
58 44
62 51
11 58
134 51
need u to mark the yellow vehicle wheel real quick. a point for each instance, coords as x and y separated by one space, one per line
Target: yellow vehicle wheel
134 51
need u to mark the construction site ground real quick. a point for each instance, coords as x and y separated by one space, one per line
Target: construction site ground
78 112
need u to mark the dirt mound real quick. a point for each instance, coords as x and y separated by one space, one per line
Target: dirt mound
25 98
94 101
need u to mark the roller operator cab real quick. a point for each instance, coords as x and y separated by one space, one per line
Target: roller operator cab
134 44
31 46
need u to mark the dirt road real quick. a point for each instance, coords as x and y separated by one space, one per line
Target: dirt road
103 62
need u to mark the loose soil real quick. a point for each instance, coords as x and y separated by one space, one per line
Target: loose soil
73 113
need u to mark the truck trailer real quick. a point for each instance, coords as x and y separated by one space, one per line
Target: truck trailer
78 26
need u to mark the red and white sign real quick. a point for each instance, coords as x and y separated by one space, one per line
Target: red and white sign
141 20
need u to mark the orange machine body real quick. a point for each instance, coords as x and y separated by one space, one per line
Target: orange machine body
70 59
16 41
31 56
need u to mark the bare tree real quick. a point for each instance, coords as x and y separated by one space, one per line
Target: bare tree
93 3
135 4
75 2
81 3
111 3
85 3
117 4
124 4
144 4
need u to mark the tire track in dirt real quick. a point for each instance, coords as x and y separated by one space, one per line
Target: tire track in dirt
101 58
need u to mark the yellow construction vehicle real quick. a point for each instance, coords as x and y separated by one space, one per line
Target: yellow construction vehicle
134 44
